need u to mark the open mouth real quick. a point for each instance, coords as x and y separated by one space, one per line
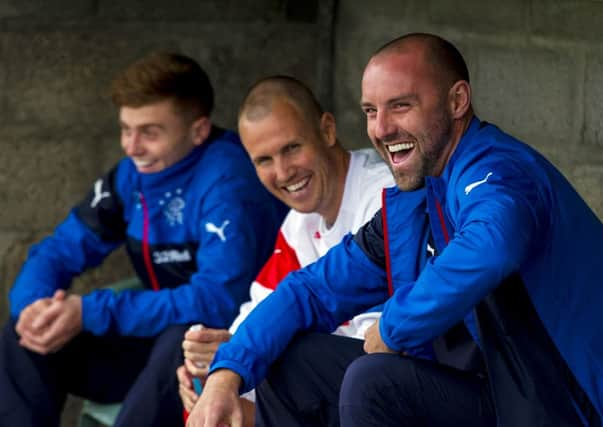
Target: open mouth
399 152
143 164
298 186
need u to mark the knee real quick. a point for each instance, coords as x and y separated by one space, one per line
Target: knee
360 377
370 375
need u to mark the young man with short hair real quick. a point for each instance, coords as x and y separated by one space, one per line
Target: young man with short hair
197 225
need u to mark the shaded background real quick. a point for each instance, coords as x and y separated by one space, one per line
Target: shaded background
536 68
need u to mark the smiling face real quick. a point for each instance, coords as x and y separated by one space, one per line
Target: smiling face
408 116
294 158
156 137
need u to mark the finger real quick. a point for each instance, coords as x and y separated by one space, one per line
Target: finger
188 398
237 418
184 378
48 315
29 313
196 346
33 346
208 335
188 393
44 344
59 295
200 358
65 327
199 371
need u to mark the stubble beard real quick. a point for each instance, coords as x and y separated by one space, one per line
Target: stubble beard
429 161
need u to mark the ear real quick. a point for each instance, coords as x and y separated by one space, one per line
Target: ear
200 130
328 128
459 98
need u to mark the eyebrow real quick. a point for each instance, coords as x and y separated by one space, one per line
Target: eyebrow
401 98
141 126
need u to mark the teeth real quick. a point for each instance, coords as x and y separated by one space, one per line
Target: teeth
394 148
142 163
294 187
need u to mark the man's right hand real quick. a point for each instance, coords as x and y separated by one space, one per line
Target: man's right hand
219 404
200 347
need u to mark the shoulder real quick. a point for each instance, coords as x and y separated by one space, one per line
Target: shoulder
224 162
226 146
491 154
496 168
298 224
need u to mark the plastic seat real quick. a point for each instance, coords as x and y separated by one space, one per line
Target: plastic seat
94 414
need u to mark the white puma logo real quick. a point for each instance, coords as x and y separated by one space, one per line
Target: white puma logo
476 183
99 194
212 228
430 249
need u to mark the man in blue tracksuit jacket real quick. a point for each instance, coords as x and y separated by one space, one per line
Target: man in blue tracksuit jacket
480 230
197 225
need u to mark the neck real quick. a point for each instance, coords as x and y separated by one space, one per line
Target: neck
341 164
459 127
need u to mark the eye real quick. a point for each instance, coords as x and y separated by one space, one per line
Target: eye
150 134
369 111
291 148
400 105
261 162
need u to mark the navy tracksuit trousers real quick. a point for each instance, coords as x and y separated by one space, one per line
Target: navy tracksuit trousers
138 371
328 380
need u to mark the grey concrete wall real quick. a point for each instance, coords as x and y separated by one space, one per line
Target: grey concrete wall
536 68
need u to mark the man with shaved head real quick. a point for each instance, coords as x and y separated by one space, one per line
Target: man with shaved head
481 232
293 144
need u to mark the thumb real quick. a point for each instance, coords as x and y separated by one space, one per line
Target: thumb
59 295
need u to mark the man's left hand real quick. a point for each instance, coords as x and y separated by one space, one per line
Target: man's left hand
58 323
373 343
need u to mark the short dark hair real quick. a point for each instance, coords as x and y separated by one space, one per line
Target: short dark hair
441 53
165 75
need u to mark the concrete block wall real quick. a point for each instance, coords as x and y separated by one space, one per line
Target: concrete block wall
536 69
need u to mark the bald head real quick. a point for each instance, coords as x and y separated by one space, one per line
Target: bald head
266 93
443 57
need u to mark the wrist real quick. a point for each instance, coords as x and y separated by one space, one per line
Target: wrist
225 378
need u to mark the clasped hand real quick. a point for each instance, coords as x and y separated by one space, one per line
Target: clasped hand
47 324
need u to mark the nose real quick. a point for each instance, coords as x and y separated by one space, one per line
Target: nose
282 169
383 126
130 142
